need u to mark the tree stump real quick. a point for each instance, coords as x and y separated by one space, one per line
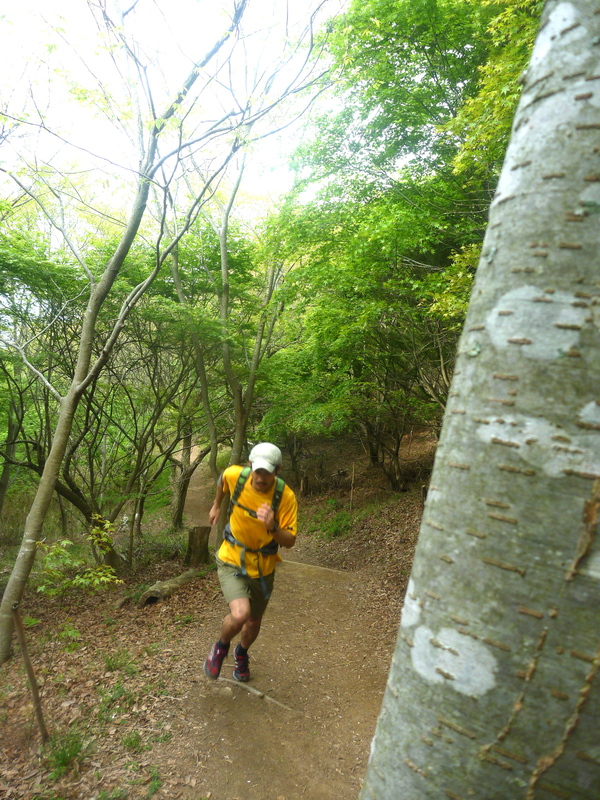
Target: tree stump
197 549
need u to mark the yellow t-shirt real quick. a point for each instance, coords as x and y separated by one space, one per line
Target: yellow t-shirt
251 531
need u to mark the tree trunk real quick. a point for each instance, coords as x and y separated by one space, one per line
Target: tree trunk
241 408
179 497
64 519
182 485
9 449
163 589
183 479
197 549
491 691
372 444
139 516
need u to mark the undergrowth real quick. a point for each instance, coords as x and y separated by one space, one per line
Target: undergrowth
334 518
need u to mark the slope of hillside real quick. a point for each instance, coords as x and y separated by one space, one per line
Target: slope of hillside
124 689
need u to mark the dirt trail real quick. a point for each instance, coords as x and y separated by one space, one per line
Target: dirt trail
322 666
131 682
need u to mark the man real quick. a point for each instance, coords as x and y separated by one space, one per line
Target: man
247 557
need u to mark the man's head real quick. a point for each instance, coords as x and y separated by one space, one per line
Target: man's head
265 459
265 456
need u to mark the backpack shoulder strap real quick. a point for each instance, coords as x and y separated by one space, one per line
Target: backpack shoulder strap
241 482
279 487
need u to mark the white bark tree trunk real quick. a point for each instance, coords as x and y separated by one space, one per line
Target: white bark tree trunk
493 691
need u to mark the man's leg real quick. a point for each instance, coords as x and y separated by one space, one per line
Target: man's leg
238 617
245 617
259 599
250 631
233 623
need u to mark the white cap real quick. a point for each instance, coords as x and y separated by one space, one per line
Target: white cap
265 456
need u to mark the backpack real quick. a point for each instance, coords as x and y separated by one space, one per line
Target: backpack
268 549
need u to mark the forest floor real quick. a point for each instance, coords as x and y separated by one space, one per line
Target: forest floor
124 690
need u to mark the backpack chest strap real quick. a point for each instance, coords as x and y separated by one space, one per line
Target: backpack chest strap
239 486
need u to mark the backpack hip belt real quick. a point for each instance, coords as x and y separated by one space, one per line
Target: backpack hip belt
267 550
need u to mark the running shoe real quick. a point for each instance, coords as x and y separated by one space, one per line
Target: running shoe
214 662
242 670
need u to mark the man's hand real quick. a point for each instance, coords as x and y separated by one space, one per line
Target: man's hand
265 514
282 536
214 514
215 511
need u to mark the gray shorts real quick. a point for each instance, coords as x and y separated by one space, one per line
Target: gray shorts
234 586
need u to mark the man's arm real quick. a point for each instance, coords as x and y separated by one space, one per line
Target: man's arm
215 511
282 536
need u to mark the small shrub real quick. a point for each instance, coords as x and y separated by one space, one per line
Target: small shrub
155 782
65 752
116 794
120 661
71 636
118 700
133 741
63 570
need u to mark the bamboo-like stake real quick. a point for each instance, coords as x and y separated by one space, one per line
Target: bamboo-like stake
352 489
30 673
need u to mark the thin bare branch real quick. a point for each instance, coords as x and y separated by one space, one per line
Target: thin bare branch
50 217
33 369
